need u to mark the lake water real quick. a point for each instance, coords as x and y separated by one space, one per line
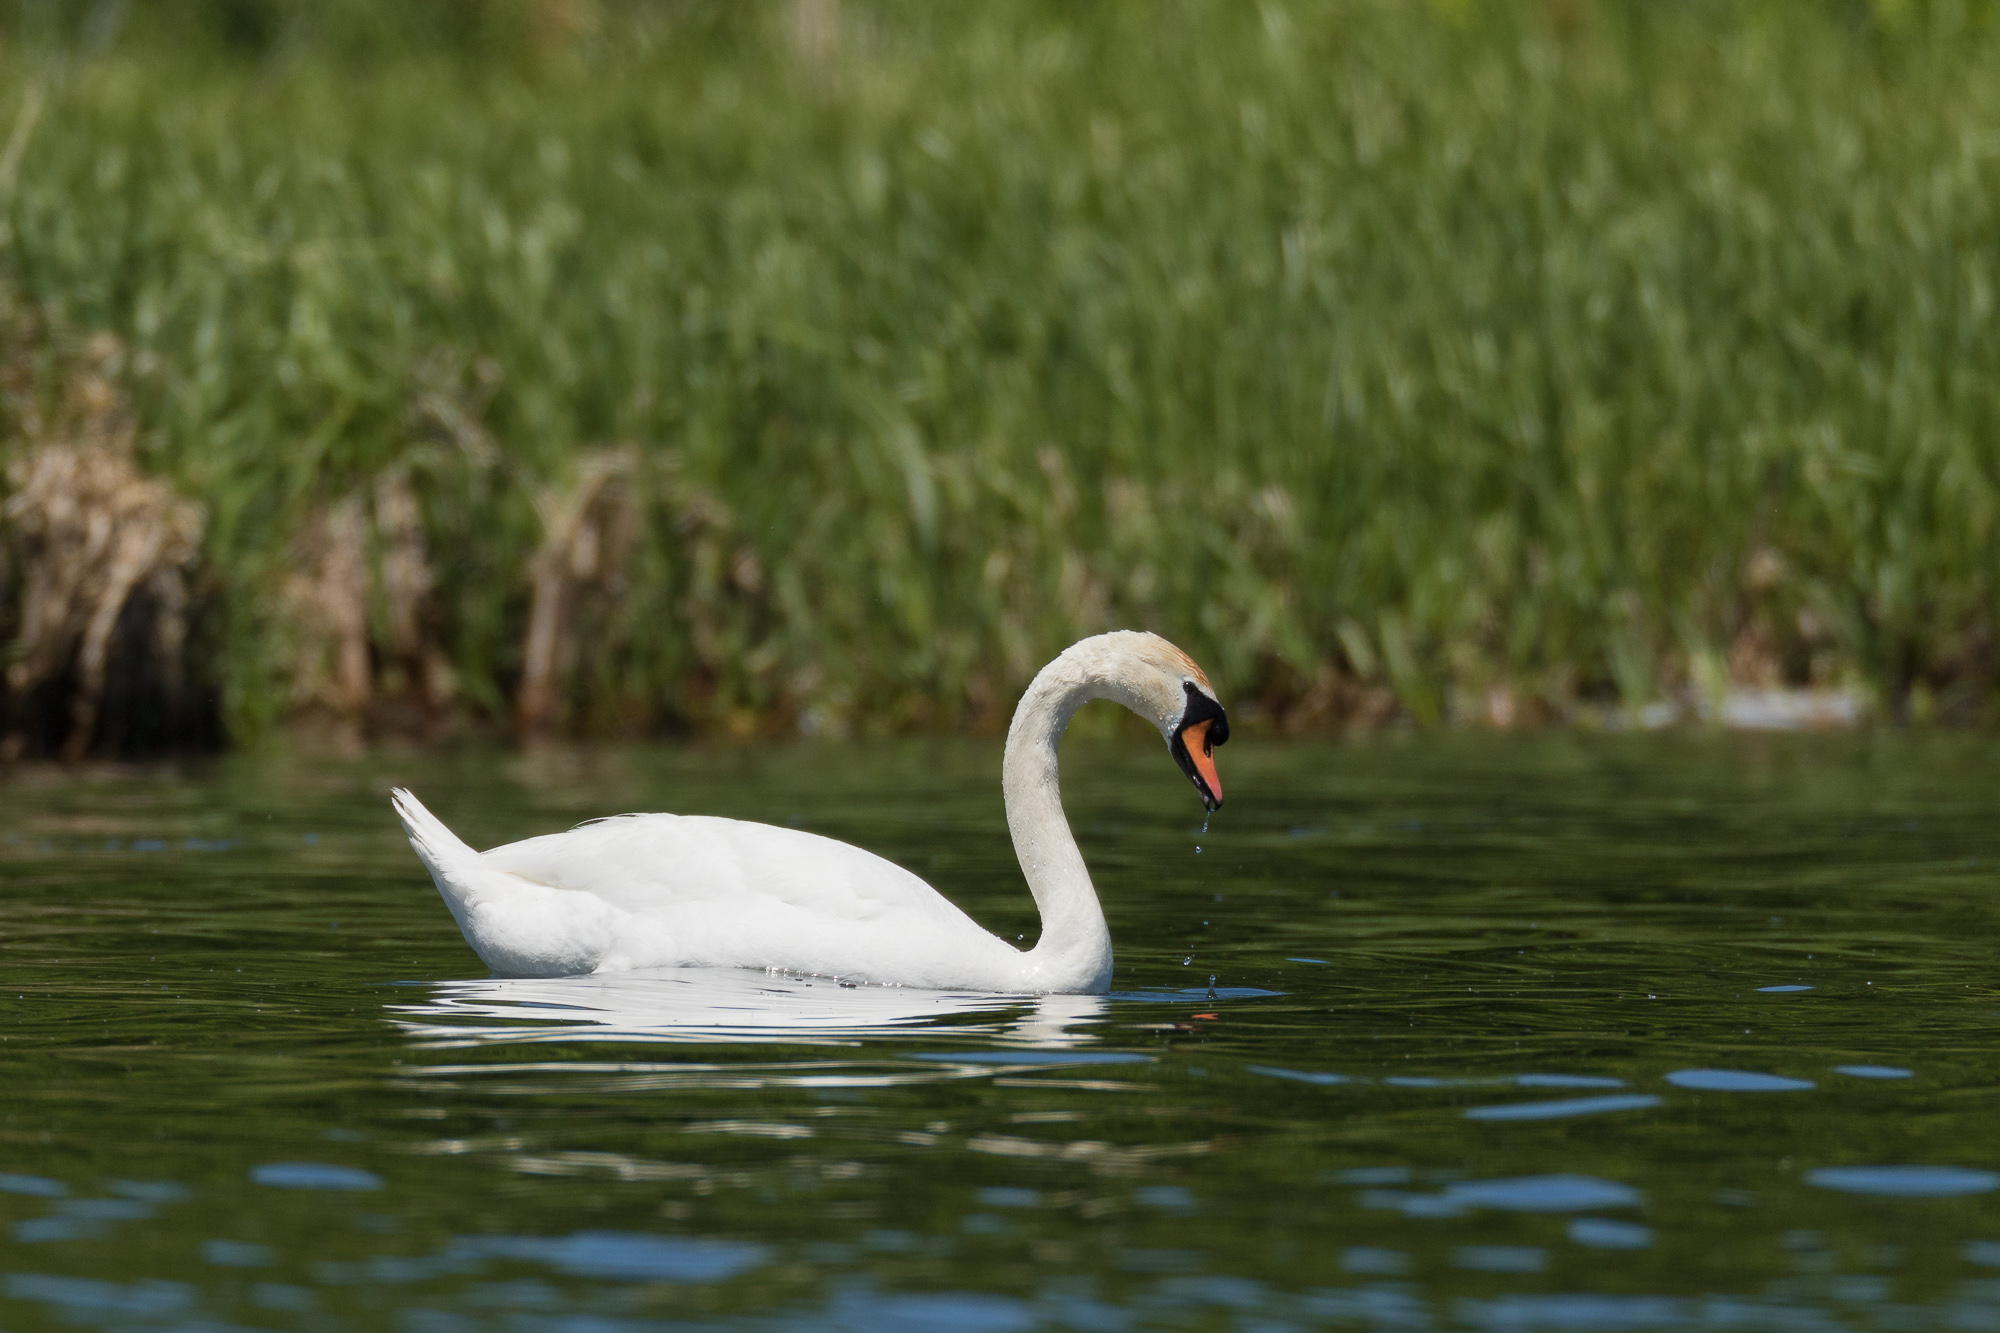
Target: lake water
1555 1032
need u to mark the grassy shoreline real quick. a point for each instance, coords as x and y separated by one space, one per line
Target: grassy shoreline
828 366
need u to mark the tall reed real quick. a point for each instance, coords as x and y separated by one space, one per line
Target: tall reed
1461 361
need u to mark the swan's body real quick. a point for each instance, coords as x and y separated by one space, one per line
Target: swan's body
690 890
694 890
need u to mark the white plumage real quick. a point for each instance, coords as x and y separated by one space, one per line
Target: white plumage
660 890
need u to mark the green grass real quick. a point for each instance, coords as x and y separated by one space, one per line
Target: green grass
1382 355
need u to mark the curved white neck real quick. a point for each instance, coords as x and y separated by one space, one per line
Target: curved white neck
1074 952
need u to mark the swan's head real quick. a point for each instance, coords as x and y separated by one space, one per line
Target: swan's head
1176 696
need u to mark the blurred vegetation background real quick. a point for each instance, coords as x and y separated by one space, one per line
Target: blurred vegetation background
602 366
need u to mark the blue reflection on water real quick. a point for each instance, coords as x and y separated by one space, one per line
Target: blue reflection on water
80 1219
1501 1258
1909 1182
1299 1075
1008 1196
626 1255
1373 1259
93 1298
314 1176
1171 1198
1604 1233
1560 1193
235 1254
1735 1080
963 1311
1568 1106
1330 1079
37 1230
152 1191
1613 1314
283 1296
1543 1194
1567 1081
105 1210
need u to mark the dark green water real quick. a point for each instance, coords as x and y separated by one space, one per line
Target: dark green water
253 1077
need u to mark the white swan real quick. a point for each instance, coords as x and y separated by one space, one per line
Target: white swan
696 891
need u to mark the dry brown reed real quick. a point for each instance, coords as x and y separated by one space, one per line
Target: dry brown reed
353 606
94 537
588 531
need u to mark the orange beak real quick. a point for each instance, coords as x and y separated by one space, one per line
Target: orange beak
1203 755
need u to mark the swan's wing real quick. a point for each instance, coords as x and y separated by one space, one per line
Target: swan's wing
691 890
677 866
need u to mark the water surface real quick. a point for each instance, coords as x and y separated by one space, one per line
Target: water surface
1555 1032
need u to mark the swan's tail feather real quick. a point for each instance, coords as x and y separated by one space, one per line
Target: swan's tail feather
440 849
513 924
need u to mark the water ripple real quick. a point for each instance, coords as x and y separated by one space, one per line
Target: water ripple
1735 1080
1908 1182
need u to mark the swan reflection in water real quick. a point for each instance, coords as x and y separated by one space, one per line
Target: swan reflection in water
726 1005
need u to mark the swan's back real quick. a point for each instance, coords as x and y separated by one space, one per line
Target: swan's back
653 864
709 891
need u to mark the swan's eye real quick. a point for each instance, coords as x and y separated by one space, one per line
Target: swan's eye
1200 707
